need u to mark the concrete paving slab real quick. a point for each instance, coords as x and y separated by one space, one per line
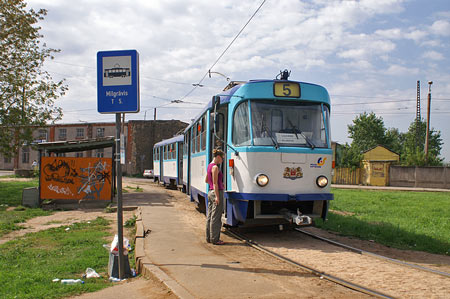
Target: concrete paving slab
176 254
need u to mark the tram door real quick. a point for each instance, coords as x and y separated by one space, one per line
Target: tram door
220 140
180 162
188 149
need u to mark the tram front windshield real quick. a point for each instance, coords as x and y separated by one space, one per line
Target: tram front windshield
286 123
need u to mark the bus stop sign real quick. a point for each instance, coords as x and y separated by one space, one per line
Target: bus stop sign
118 81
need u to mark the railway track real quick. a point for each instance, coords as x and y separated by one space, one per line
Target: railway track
363 252
318 273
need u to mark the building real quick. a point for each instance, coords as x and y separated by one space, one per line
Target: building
140 136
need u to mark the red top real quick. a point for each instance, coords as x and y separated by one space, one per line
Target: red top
210 177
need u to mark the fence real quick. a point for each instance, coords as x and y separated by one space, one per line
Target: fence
347 176
425 177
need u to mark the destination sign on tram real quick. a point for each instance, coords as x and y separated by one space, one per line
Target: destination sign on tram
286 89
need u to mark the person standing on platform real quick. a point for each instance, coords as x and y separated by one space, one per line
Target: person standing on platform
214 178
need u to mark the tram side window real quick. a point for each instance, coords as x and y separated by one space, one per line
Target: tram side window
171 153
203 137
197 136
241 127
165 152
192 140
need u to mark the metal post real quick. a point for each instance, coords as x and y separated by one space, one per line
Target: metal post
427 138
154 114
119 198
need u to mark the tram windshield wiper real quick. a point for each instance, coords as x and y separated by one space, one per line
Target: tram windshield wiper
310 143
268 131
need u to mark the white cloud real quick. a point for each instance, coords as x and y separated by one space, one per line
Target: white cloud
400 70
352 47
441 27
433 55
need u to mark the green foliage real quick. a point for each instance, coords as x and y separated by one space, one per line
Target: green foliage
350 157
414 146
368 131
27 92
405 220
130 222
31 263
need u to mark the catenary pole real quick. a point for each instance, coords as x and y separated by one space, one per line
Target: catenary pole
427 137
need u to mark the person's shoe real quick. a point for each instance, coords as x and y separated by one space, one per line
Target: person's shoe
220 242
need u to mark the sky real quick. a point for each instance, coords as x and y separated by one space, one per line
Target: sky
368 54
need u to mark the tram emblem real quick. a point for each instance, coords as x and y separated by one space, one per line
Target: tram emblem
293 173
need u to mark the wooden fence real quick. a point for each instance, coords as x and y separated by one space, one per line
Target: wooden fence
347 176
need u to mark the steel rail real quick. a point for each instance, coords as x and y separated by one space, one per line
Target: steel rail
318 273
363 252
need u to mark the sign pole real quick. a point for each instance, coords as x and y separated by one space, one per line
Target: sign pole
119 199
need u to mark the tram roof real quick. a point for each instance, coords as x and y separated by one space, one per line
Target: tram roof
174 139
244 89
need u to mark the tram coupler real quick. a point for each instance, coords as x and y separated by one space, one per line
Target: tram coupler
298 219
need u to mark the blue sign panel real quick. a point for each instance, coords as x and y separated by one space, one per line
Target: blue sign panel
118 81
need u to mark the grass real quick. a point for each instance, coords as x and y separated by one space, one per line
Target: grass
29 264
405 220
11 195
134 189
11 192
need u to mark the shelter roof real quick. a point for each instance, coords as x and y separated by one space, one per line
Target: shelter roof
76 145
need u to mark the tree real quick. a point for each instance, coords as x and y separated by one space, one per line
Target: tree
414 146
27 92
367 132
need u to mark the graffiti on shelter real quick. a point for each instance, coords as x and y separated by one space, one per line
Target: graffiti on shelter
93 180
76 178
60 190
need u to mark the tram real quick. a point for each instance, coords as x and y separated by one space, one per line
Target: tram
278 155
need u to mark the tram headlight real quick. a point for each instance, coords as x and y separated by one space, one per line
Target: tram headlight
262 180
322 181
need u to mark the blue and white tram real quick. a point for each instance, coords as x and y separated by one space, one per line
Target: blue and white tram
276 137
167 161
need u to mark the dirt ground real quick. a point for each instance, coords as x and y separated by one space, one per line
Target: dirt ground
393 279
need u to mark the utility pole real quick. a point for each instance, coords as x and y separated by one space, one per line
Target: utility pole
418 116
427 138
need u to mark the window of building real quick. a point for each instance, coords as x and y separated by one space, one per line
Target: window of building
80 133
62 134
100 132
7 160
79 155
60 154
43 134
100 153
26 155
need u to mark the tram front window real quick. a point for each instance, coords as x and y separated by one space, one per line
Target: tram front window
284 123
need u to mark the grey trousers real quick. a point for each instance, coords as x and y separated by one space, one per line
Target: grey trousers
214 217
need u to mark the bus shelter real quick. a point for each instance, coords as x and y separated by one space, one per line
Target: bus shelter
76 180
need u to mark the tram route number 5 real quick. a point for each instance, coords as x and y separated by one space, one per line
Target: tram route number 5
286 89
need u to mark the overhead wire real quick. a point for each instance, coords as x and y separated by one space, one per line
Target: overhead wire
224 51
